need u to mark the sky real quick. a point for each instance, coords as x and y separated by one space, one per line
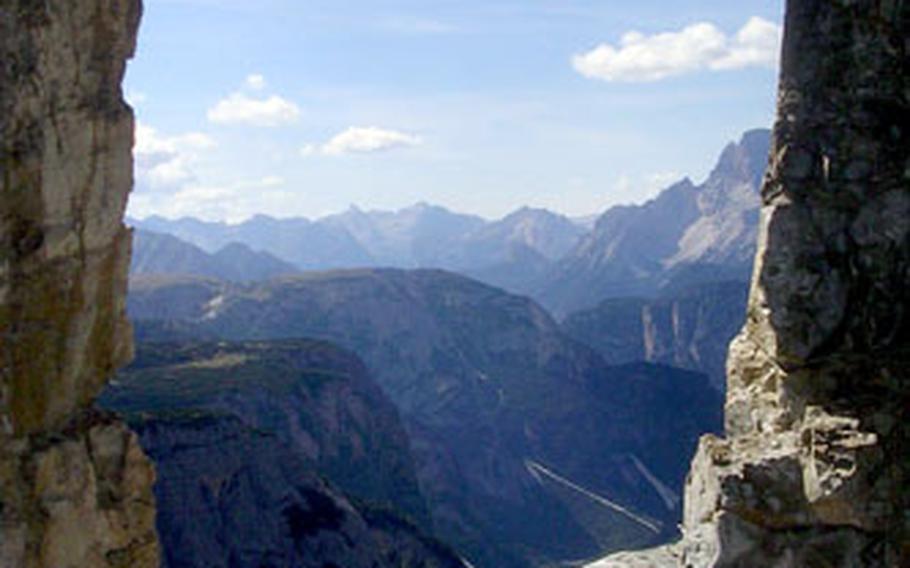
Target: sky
307 107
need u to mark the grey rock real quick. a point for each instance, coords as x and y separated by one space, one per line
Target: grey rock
813 471
275 454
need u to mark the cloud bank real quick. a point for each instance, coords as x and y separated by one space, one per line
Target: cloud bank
698 47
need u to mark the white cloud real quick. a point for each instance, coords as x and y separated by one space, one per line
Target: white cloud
256 82
756 44
363 140
165 162
239 108
641 58
167 183
640 187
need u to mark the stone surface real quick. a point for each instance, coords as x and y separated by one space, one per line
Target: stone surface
78 498
75 489
813 471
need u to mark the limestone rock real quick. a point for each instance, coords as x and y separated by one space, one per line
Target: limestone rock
77 498
815 465
75 488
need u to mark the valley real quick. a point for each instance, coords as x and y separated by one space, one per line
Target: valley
484 381
514 437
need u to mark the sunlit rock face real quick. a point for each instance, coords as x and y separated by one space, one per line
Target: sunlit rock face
75 488
814 468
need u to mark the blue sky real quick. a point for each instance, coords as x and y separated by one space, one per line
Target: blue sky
304 107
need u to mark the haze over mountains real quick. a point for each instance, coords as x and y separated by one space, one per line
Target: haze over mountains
421 236
159 253
687 234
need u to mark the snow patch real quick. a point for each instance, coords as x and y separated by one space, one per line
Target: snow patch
213 307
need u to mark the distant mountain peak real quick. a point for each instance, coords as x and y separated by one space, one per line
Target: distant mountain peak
745 158
635 250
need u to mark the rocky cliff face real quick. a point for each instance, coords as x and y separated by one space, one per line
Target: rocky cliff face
690 330
814 468
275 454
75 488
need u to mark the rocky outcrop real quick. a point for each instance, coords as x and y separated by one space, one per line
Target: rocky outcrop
316 398
232 496
75 489
690 330
814 469
277 453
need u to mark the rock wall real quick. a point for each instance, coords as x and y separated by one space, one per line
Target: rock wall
814 469
75 488
231 496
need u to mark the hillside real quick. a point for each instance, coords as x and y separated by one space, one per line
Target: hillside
487 383
293 434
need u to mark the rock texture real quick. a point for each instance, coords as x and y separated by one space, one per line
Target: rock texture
237 497
814 468
75 489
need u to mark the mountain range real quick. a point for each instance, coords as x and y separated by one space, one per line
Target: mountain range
423 235
160 253
534 440
686 235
